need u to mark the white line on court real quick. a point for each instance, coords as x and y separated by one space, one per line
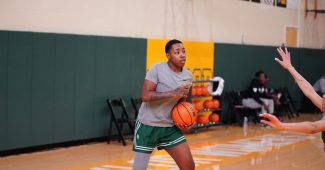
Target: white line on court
116 167
98 168
197 160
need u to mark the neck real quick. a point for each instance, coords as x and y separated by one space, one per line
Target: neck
173 67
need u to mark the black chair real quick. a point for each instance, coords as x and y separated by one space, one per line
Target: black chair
118 122
136 103
288 103
281 110
281 107
240 111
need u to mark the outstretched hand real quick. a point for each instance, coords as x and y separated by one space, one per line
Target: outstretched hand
272 121
286 58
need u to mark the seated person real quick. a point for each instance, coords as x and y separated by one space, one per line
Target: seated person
272 93
256 95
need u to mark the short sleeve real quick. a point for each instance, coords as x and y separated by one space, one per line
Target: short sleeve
152 74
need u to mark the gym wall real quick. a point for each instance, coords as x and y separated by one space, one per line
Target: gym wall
54 86
312 30
224 21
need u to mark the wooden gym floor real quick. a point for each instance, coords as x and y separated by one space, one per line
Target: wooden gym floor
218 148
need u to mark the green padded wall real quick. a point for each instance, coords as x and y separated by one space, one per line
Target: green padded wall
43 88
54 86
312 64
4 39
19 116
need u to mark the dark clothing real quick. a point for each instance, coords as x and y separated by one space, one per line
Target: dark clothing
256 90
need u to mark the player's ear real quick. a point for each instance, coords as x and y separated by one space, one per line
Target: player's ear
168 55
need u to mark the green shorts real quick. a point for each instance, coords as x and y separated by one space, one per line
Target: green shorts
146 138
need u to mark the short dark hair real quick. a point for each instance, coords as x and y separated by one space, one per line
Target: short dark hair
257 74
170 43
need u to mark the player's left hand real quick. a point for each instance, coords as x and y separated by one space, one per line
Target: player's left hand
184 127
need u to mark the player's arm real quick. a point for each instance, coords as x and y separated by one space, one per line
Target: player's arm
323 102
149 92
303 84
305 127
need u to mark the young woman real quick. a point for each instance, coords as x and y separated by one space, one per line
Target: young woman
165 84
308 90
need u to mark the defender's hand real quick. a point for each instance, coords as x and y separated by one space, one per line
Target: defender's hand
286 58
272 121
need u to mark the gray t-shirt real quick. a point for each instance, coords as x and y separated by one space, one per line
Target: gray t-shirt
157 113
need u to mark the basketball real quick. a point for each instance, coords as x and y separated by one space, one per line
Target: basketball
197 105
201 120
214 117
198 91
216 104
194 91
208 104
205 91
183 113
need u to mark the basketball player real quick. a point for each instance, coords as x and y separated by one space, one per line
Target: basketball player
308 90
165 84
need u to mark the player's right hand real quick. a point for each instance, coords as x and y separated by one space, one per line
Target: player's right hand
182 91
286 58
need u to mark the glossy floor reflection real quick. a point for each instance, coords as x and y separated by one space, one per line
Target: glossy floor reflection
220 148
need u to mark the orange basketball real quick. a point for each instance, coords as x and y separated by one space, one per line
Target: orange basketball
183 113
205 91
198 91
211 104
214 117
198 105
201 120
193 91
208 104
216 104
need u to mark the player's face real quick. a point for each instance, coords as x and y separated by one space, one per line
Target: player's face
177 55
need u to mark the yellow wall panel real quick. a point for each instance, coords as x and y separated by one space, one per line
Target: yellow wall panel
199 55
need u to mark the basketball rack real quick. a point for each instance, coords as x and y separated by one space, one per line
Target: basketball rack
315 10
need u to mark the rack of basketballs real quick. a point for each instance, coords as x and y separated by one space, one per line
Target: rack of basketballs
206 103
